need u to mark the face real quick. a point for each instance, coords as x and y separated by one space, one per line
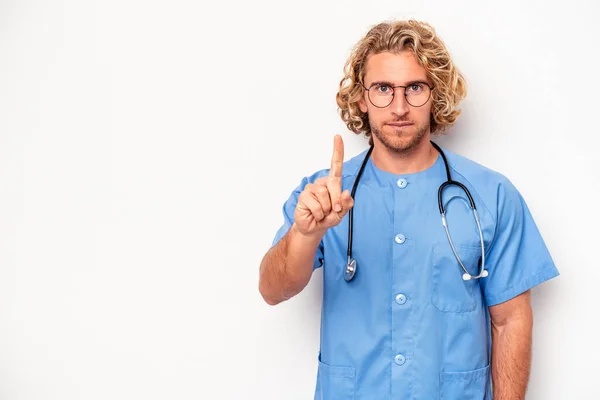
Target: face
400 127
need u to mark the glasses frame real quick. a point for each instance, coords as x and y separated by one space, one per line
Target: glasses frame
394 92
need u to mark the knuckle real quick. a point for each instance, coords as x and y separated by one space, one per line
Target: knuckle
301 206
302 196
316 208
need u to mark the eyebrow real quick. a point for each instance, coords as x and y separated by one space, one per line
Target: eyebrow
391 84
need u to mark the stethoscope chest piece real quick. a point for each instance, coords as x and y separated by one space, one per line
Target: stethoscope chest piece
350 270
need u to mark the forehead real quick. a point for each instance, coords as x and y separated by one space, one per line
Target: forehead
396 68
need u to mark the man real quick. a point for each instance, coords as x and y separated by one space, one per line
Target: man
423 312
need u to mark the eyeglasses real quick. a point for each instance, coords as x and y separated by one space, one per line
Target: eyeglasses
381 94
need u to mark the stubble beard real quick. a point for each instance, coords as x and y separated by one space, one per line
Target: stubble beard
399 144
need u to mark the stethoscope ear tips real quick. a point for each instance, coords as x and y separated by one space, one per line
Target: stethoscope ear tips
468 277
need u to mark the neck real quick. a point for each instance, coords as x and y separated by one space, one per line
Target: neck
417 159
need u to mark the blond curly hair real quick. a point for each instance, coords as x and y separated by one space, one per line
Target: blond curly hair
430 52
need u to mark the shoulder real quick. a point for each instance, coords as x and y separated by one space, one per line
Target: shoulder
494 188
476 173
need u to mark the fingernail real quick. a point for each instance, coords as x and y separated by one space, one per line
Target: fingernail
337 208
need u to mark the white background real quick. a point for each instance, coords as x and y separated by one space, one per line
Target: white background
146 149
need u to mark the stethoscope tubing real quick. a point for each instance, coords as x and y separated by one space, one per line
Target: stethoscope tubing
350 269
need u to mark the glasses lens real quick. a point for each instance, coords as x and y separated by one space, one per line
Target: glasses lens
381 95
417 94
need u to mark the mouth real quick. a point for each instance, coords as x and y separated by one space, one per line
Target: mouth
399 124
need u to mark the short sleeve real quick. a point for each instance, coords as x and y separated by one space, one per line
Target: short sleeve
288 219
518 258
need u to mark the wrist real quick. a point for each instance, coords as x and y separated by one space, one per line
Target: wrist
312 238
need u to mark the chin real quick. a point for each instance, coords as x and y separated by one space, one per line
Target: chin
400 142
402 135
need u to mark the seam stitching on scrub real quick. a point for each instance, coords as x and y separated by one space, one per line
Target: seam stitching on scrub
526 282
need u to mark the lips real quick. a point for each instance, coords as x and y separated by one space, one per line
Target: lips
399 124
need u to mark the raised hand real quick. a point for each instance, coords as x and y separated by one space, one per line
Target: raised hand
322 204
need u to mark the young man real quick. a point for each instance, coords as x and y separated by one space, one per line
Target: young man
413 307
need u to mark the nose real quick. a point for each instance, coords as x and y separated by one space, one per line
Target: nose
399 104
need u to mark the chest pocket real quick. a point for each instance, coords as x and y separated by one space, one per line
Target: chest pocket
450 293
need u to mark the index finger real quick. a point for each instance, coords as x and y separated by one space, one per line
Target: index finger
337 160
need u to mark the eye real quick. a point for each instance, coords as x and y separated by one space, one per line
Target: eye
415 88
383 89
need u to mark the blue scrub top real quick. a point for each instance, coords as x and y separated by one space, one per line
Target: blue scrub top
408 326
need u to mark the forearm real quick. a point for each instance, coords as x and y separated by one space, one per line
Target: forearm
511 357
287 267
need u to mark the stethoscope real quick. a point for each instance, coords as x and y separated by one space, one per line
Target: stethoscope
350 270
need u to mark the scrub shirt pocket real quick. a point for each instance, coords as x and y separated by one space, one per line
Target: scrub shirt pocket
336 382
450 293
470 385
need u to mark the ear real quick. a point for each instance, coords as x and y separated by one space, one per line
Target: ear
362 104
